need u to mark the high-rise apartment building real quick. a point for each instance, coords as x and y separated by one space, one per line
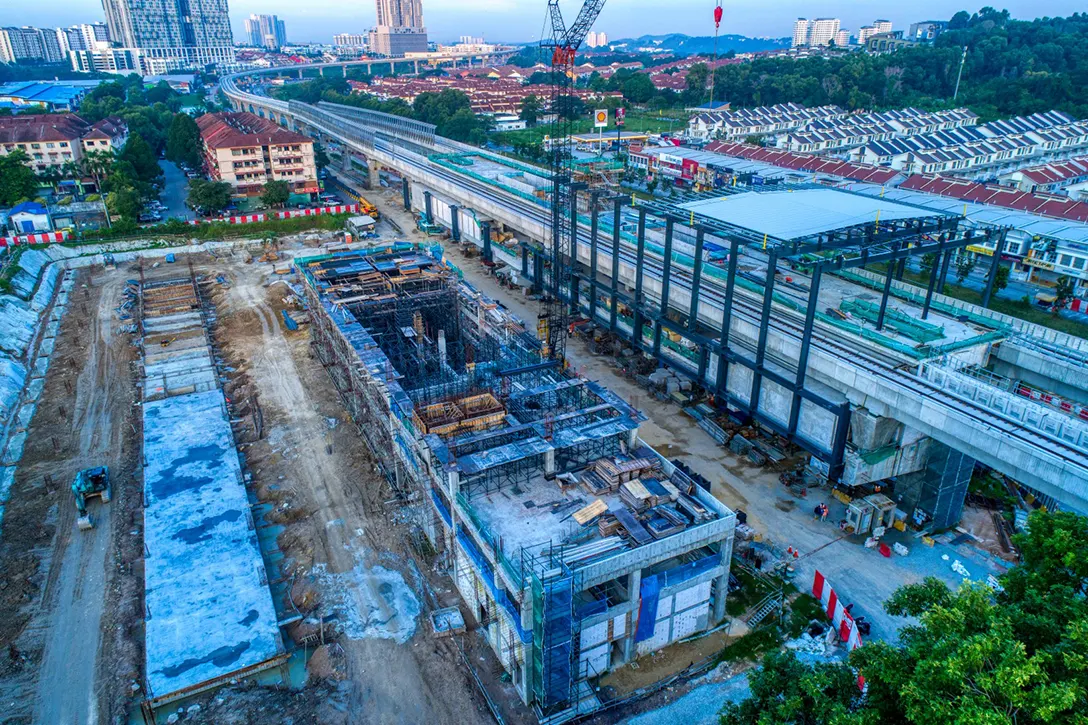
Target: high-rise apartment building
882 26
864 33
820 31
800 32
89 36
27 44
266 31
842 38
400 28
173 33
350 40
596 40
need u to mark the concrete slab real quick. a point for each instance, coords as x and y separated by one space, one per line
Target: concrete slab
210 612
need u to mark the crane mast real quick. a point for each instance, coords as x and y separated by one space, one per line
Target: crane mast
563 46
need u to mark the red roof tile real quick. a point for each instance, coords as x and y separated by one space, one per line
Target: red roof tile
1009 197
234 130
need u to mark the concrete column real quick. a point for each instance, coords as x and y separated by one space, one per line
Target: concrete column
373 175
345 162
549 464
634 584
632 439
415 64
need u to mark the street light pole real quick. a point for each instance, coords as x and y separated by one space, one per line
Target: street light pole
959 75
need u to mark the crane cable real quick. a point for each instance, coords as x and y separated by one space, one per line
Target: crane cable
717 24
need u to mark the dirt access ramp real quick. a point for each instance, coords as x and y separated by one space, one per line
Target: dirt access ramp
345 550
73 594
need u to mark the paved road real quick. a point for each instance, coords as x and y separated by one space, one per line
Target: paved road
175 192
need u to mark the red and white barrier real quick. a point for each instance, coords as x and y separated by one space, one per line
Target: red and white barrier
840 618
1078 305
42 238
337 209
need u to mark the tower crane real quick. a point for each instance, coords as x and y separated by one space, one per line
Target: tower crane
563 46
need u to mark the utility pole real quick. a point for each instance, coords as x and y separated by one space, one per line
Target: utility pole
959 75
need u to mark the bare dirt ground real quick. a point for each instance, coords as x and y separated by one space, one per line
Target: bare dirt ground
72 593
349 555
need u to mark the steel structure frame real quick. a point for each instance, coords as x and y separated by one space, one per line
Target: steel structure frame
854 246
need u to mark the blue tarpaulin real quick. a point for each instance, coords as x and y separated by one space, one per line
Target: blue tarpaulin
647 609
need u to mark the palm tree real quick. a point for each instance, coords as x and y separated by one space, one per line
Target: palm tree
97 164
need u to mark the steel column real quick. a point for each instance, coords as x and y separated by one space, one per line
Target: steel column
485 235
666 273
806 342
455 222
727 314
696 278
942 280
640 256
593 232
933 272
838 448
994 264
572 279
427 207
406 192
525 261
617 213
764 325
887 291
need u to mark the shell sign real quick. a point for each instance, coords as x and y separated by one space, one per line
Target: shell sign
600 118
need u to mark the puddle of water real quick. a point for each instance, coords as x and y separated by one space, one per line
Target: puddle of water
370 602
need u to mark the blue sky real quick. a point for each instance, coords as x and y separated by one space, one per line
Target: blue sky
521 20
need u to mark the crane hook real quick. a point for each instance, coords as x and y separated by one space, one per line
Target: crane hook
718 15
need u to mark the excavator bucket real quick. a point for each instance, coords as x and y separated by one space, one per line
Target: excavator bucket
85 523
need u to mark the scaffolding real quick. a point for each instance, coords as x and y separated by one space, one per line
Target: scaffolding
554 657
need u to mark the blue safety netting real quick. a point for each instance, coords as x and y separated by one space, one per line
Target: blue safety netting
647 609
488 575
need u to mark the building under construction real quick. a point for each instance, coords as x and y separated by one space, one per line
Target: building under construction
576 547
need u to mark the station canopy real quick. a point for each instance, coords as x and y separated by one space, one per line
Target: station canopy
800 214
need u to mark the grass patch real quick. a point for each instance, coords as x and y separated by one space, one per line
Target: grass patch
216 231
751 646
636 122
803 610
1013 308
751 591
10 266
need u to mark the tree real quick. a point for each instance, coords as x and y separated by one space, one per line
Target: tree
974 655
638 88
211 196
1001 278
97 164
124 203
138 153
540 78
1063 291
321 159
570 107
275 193
183 141
651 185
530 109
926 262
17 180
785 690
964 265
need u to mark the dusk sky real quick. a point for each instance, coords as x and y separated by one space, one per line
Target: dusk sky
521 20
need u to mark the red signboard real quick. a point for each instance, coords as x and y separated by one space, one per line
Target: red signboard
620 115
